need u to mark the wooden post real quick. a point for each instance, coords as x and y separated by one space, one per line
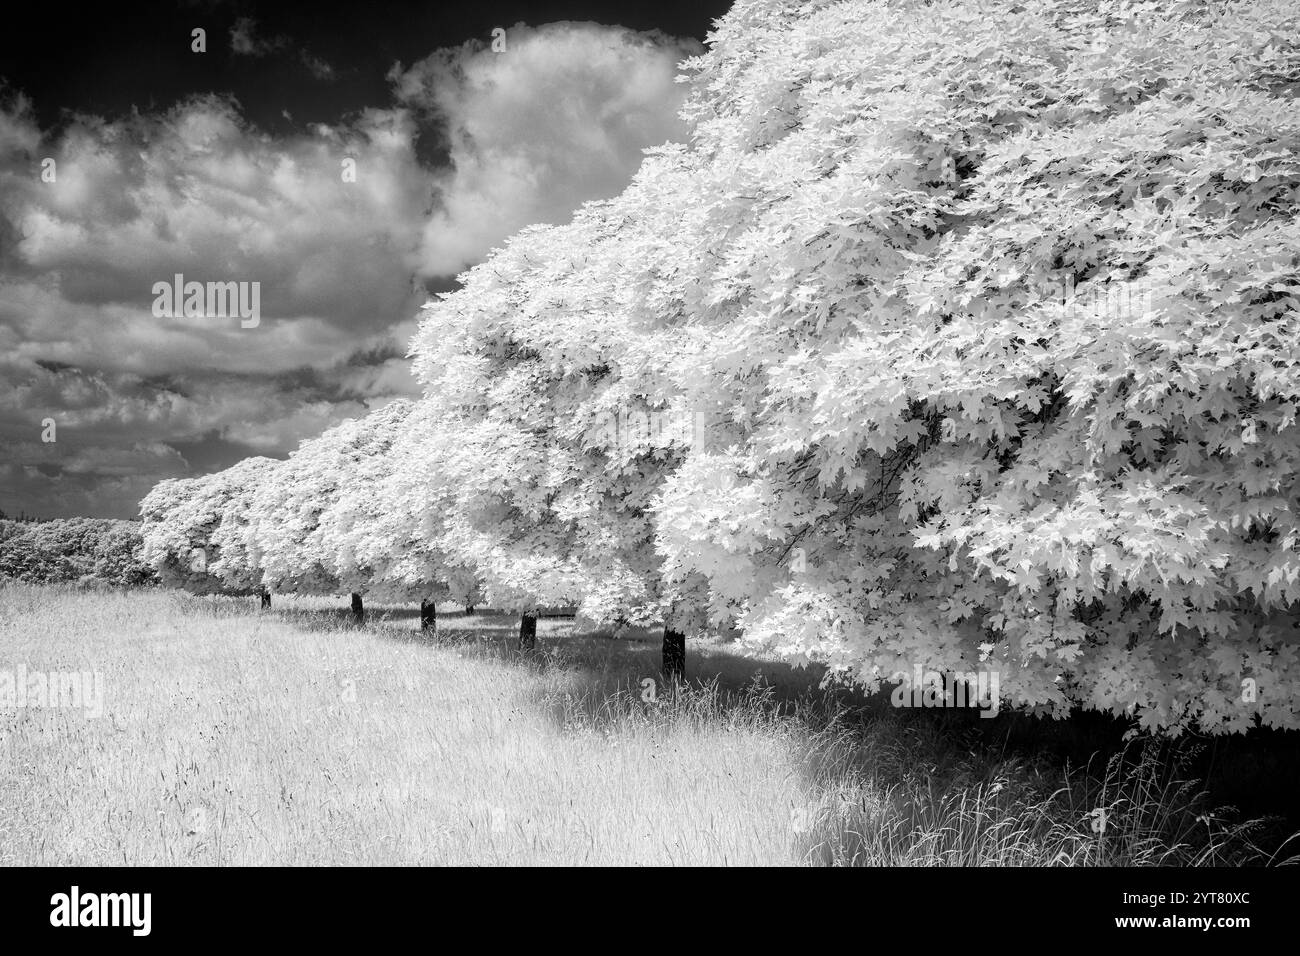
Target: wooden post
674 654
428 616
528 631
358 609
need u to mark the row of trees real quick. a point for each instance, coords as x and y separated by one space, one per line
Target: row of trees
959 336
318 523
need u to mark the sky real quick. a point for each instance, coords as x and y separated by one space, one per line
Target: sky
344 163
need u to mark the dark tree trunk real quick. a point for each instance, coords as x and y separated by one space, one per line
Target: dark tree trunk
674 654
358 609
428 616
469 609
266 599
528 631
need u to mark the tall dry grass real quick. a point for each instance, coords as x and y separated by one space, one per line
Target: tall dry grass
235 736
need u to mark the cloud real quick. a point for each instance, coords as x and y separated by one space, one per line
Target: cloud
316 66
343 266
560 117
149 426
197 192
244 41
89 479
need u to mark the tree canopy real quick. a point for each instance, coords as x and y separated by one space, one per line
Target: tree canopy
956 336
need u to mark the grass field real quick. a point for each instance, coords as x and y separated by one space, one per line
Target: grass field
231 735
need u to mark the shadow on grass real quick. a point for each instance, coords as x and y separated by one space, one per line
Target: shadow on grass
906 784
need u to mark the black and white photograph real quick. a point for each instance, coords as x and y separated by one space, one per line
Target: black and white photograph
744 434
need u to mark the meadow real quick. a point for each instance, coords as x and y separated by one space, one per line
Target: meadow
233 735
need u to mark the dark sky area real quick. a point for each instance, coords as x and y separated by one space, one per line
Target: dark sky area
225 166
106 59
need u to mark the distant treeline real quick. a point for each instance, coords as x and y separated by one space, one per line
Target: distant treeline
74 550
23 518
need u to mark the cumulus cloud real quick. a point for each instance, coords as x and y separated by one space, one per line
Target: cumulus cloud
342 261
560 117
196 191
